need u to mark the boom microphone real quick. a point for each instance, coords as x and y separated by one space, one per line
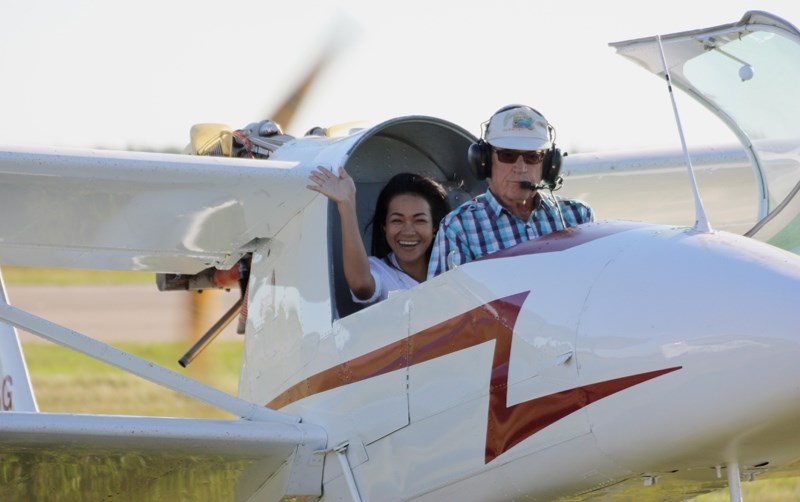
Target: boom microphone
530 186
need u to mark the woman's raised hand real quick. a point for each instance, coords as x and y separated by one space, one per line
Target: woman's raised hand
337 188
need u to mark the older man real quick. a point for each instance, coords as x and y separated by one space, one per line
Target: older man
517 153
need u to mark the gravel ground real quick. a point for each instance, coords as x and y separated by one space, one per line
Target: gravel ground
126 312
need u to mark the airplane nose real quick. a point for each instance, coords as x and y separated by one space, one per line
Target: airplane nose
723 310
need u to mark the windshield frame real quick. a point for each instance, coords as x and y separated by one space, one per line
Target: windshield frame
732 70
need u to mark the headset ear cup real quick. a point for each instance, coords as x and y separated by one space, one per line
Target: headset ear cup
480 159
551 167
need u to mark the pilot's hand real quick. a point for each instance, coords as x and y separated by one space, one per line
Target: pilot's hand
339 188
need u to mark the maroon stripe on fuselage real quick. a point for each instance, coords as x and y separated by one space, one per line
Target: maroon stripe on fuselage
506 425
566 239
481 324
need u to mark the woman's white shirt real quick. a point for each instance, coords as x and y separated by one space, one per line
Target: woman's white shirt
387 278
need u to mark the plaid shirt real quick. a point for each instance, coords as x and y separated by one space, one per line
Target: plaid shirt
482 226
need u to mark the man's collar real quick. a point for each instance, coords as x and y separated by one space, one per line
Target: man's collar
499 208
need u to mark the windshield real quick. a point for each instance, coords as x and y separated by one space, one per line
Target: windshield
738 77
748 74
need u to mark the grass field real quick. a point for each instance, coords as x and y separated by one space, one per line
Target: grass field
768 490
68 382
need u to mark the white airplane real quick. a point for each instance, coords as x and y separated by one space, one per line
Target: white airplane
626 359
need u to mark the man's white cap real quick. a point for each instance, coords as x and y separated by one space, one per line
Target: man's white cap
519 128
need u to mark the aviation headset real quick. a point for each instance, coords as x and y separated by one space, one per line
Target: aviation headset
479 155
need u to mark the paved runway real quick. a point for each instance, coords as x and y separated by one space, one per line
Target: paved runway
124 312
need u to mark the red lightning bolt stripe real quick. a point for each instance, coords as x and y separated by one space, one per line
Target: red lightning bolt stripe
507 425
451 335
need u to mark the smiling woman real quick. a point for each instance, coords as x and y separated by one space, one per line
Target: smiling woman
404 223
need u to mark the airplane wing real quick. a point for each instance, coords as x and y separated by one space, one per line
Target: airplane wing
183 213
140 211
47 456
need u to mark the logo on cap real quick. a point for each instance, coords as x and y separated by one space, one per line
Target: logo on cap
520 120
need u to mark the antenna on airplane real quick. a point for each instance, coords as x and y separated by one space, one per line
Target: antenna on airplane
701 223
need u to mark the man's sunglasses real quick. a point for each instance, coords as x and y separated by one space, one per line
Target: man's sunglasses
528 156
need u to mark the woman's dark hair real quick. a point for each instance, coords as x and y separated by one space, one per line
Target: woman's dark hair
404 183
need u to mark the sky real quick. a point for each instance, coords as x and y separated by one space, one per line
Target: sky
138 74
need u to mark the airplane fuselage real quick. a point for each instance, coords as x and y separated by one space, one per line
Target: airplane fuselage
619 365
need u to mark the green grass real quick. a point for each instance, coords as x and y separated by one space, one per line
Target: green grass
766 490
65 381
69 382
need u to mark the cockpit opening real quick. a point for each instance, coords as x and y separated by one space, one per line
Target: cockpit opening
422 145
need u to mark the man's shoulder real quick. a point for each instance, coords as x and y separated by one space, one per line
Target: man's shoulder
477 203
582 210
573 202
